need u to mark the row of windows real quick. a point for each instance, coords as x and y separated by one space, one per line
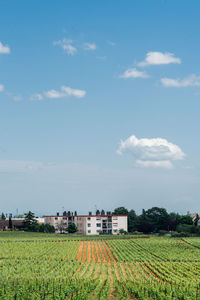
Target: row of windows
97 225
98 231
99 218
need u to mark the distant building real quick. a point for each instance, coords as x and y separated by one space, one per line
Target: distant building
89 224
17 223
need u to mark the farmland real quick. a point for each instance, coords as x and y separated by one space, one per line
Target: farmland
39 266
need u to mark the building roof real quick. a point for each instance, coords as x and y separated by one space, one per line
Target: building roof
86 216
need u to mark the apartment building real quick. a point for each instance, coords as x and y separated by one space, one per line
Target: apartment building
89 224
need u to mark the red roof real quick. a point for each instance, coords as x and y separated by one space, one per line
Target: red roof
87 216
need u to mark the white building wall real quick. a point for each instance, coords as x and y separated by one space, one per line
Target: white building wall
119 222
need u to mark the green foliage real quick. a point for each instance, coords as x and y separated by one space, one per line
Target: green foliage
3 217
72 228
176 234
30 223
120 211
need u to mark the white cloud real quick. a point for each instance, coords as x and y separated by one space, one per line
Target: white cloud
73 92
4 49
157 152
1 87
65 92
90 46
53 94
134 73
159 58
67 46
155 164
38 97
192 80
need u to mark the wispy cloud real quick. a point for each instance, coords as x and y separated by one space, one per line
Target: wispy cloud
89 46
1 87
73 92
65 91
67 46
192 80
4 49
37 97
111 43
134 73
159 58
17 98
155 152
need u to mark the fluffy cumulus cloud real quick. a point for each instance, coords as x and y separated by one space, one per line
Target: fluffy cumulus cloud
159 58
192 80
134 73
65 91
90 46
67 46
4 49
155 152
1 87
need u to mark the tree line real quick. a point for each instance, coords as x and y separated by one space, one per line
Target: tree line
158 220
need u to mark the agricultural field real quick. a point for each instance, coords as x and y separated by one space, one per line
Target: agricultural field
39 266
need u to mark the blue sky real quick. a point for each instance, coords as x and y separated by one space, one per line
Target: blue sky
99 105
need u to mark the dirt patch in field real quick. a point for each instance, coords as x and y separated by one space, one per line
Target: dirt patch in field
89 252
85 252
102 253
97 252
110 252
80 250
93 253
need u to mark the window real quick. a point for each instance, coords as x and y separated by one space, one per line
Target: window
98 231
98 224
115 224
56 218
89 231
89 224
115 230
115 218
98 218
89 218
64 218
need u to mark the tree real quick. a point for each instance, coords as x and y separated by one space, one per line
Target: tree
158 217
122 231
30 223
97 212
132 219
102 212
120 211
196 220
46 228
3 217
10 223
61 226
185 219
72 228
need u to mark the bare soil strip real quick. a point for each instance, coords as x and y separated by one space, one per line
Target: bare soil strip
80 250
85 252
102 252
93 253
130 271
98 254
123 270
109 250
89 252
109 257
